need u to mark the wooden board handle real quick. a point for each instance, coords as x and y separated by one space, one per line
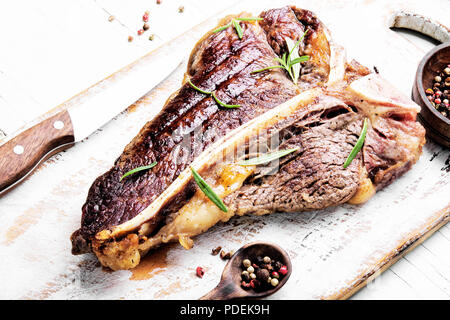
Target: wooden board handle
21 154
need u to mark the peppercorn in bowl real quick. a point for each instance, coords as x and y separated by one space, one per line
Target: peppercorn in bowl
431 90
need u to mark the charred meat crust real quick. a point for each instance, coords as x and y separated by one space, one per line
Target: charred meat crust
223 63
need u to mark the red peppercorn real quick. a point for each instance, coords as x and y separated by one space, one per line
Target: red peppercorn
283 270
437 101
245 285
429 91
438 93
254 283
145 17
255 266
140 32
275 275
200 272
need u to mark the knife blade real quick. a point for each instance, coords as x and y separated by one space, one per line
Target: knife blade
80 116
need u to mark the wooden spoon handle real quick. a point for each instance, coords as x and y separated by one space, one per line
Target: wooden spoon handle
21 154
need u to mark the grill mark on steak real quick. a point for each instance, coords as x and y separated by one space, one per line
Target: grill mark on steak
221 62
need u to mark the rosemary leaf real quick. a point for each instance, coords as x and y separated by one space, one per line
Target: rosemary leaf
230 106
197 88
357 146
208 191
299 59
294 69
238 28
268 157
249 19
267 68
221 28
236 25
291 62
213 94
138 169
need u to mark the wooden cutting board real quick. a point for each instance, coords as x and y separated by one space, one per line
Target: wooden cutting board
334 251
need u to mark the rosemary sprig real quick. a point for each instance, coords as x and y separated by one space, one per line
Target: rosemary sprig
138 169
268 157
208 191
291 61
357 146
213 94
235 23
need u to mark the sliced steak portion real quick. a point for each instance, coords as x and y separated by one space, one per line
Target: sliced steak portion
220 62
313 177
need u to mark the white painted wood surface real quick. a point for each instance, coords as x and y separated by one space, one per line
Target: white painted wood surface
51 50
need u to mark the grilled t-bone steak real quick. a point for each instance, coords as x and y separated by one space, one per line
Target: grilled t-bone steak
322 116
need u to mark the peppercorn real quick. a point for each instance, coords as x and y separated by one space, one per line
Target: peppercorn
111 18
278 265
283 270
152 36
140 32
447 70
274 282
225 255
181 9
262 274
216 251
255 266
252 275
245 285
266 260
268 267
254 283
275 275
245 276
145 17
158 1
200 272
437 79
251 269
145 26
429 91
130 38
246 263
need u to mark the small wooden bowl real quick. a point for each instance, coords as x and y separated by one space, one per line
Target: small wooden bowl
230 283
436 125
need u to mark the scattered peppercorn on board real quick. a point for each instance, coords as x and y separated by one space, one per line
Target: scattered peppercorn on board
334 252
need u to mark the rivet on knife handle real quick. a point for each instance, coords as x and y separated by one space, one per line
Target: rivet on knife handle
21 154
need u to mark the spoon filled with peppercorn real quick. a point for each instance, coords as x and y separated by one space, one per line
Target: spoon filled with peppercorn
256 270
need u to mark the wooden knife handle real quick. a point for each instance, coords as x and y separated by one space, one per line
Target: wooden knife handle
21 154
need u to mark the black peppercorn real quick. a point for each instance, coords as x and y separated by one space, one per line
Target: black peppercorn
278 265
262 275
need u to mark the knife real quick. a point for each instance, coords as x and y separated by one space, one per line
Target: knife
81 115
